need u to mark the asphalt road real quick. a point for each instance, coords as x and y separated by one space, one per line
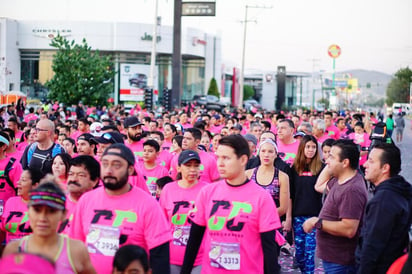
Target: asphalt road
405 146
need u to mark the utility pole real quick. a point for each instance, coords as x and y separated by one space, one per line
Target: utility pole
150 82
242 69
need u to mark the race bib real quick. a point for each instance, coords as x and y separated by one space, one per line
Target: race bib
225 255
181 235
151 185
1 207
103 240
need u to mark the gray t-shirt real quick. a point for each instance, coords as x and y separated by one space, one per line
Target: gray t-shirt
400 122
344 201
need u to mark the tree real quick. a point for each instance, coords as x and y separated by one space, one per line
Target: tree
213 89
80 74
398 88
248 92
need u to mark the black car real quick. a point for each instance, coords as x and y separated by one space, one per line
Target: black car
209 102
138 80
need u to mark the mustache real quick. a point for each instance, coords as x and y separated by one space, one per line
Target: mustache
109 177
73 183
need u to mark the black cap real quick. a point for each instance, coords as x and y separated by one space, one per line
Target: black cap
132 121
125 152
87 137
237 126
188 155
110 138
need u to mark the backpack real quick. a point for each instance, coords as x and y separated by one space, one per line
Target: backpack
6 176
57 149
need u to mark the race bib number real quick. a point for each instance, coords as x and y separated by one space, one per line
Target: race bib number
225 255
1 207
181 235
151 185
103 240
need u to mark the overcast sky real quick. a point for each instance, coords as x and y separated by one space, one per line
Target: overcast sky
373 34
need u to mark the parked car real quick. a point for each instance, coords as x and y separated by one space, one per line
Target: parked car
209 102
138 80
248 104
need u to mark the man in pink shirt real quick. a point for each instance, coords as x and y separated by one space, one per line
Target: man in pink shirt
331 129
287 144
118 214
83 127
238 217
319 131
134 135
86 145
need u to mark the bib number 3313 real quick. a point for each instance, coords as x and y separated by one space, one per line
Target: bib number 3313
225 255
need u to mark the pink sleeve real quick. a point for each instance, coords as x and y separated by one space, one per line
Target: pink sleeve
268 222
173 167
197 215
139 181
157 230
15 173
214 173
76 226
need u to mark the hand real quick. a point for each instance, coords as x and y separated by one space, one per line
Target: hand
287 225
309 224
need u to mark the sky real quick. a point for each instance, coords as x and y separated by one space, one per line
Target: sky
372 34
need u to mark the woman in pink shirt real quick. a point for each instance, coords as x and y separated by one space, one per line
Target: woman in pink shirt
60 169
177 200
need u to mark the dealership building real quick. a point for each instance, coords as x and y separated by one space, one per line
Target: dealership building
26 55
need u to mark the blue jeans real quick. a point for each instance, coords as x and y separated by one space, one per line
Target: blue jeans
332 268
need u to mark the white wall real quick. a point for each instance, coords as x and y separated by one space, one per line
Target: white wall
9 55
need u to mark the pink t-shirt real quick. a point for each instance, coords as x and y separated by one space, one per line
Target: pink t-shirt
362 140
288 151
166 145
333 132
16 155
70 206
30 117
323 138
136 148
105 223
208 167
176 202
151 176
234 217
6 191
15 220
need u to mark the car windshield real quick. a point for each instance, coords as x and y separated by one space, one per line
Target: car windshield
212 98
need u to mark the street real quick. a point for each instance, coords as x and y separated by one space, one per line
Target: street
405 146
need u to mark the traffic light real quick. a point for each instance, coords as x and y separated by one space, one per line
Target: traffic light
148 98
167 99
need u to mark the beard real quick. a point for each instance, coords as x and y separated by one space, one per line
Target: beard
135 138
119 183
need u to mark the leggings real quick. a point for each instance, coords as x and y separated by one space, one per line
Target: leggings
305 245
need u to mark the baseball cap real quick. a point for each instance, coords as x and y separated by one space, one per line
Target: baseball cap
96 129
109 137
188 155
124 153
258 115
251 138
237 126
87 137
299 134
132 121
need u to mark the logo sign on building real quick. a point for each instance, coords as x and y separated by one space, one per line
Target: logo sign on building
198 8
133 81
50 33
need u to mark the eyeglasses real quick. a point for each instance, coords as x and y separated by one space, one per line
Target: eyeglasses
40 129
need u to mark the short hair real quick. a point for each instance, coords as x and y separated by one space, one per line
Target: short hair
359 124
391 155
73 142
178 139
84 121
89 163
35 175
158 133
156 122
238 143
348 150
290 122
266 124
172 127
153 144
328 142
162 181
129 253
307 125
328 113
255 124
200 125
196 133
320 124
340 119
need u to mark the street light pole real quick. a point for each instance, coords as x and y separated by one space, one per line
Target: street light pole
242 69
150 82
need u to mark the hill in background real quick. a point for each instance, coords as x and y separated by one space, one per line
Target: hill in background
378 80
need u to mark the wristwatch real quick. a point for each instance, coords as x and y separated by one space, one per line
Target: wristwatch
318 224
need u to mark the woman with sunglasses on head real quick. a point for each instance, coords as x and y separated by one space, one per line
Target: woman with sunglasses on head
306 202
46 210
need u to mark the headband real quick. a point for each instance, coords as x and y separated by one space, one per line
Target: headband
4 140
269 141
48 198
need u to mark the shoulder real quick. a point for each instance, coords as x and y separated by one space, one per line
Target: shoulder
12 247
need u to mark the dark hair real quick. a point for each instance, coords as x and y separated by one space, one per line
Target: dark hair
391 155
290 122
238 143
127 254
327 113
162 181
152 143
159 133
300 164
266 124
328 142
178 139
35 175
10 133
84 121
156 122
66 158
196 133
172 127
200 125
349 150
359 124
89 163
71 140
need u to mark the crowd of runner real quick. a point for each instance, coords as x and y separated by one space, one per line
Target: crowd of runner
104 190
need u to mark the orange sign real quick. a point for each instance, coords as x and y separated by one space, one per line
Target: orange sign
334 51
